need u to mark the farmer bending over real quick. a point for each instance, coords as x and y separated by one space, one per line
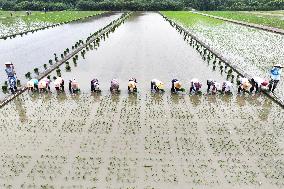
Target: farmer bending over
95 86
32 85
244 85
132 85
157 85
74 85
114 85
176 86
258 84
195 86
59 84
227 87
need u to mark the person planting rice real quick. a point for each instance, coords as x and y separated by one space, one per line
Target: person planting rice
157 85
10 71
132 85
59 84
74 86
195 86
244 85
213 87
43 85
95 86
32 85
275 75
227 87
114 85
176 86
258 84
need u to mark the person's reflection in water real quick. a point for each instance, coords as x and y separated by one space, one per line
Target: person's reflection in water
20 109
157 98
212 99
96 96
175 98
195 100
266 109
115 97
241 101
61 96
132 99
34 96
226 98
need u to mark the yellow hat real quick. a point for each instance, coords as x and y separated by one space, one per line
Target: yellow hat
160 85
246 86
177 85
131 84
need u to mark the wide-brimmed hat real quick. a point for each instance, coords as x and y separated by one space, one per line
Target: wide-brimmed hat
265 83
160 85
8 63
278 66
246 85
177 85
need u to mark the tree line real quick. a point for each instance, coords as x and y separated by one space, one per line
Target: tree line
136 5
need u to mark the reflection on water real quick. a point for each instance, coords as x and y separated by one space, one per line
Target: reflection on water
36 49
20 109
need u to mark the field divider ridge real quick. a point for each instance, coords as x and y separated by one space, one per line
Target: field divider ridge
235 68
99 15
252 25
101 33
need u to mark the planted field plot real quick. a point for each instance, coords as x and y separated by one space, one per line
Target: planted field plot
12 23
252 50
34 51
143 140
267 18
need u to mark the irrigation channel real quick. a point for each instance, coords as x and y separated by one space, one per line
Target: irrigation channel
34 50
145 140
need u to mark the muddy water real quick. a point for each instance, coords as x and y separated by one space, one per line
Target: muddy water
145 47
146 140
34 50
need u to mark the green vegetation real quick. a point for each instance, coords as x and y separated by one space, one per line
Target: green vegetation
50 17
52 5
262 18
189 19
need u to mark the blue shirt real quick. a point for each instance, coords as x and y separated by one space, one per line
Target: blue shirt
10 72
275 73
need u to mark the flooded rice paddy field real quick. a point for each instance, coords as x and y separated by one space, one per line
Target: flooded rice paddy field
34 50
143 141
15 22
253 50
146 140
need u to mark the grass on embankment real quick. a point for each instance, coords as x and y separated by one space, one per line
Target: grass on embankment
49 17
269 18
190 19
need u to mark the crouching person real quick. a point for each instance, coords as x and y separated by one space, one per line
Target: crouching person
195 86
32 85
244 85
59 84
114 85
213 87
95 86
176 86
157 85
227 87
132 85
258 84
44 85
74 86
